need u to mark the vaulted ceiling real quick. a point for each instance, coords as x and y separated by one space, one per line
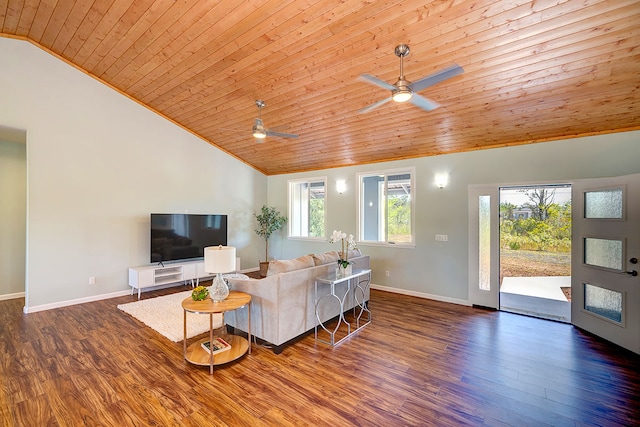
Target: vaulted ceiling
533 70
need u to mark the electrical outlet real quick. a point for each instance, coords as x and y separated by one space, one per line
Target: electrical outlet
92 280
388 273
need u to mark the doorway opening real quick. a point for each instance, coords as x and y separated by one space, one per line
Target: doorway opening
13 212
535 251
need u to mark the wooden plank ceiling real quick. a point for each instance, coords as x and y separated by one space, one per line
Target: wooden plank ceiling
534 70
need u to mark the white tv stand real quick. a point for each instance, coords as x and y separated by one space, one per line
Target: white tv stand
147 276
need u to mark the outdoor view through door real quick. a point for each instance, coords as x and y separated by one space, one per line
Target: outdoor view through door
535 251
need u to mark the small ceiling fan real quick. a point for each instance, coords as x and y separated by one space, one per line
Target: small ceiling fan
403 90
260 132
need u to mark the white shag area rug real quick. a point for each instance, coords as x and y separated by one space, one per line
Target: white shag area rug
165 315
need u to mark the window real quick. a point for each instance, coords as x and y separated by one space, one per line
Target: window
307 208
386 207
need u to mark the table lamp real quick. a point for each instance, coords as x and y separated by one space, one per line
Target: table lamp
218 260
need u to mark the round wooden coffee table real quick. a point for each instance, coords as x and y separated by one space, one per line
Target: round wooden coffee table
194 353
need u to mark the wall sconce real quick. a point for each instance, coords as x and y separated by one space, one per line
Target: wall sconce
441 180
341 186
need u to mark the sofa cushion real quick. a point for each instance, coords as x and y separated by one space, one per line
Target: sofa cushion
282 266
325 258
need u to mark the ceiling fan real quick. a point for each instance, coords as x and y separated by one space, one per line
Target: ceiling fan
260 132
404 90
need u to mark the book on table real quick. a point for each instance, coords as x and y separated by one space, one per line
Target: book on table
219 345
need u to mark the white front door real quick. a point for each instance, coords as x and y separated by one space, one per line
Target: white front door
605 280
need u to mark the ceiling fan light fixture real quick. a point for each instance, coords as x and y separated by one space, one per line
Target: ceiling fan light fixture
402 95
258 130
259 133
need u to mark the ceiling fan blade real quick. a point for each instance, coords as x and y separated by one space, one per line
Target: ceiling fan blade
424 103
434 78
281 134
373 106
368 78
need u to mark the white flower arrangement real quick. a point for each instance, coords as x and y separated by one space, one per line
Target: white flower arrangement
338 235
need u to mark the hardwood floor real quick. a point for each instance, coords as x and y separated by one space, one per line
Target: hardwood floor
420 362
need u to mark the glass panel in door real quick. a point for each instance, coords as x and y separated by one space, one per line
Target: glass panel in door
605 253
603 204
603 302
484 246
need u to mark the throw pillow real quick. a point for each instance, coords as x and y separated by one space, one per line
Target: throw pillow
325 258
282 266
354 253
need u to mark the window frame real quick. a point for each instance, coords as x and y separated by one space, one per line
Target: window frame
411 171
290 207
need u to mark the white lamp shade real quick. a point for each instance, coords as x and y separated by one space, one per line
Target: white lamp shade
219 259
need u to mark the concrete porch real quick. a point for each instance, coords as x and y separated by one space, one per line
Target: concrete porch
536 296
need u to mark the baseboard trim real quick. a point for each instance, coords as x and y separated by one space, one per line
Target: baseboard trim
421 295
92 298
67 303
12 296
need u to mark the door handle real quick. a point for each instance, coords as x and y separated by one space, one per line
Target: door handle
633 272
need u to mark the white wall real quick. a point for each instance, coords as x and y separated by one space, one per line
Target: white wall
13 212
97 165
439 269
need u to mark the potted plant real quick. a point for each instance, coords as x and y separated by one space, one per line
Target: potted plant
269 220
344 265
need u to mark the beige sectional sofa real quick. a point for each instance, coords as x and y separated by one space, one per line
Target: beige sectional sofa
283 303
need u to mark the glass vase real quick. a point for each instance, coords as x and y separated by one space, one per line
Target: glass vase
343 271
219 289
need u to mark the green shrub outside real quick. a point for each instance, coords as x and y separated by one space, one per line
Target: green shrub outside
552 234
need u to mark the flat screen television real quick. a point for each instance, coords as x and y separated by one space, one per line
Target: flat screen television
184 236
